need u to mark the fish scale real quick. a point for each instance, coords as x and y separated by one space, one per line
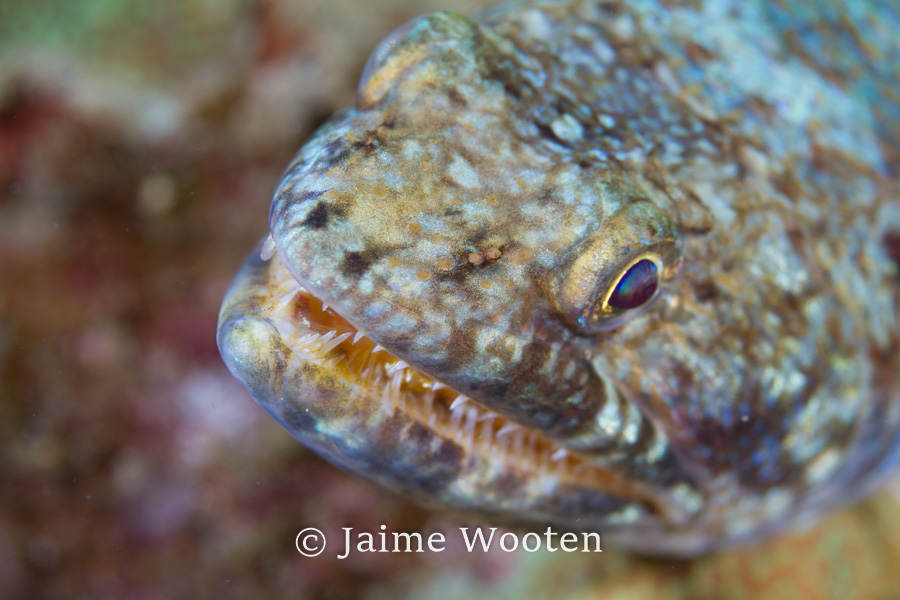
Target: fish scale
486 211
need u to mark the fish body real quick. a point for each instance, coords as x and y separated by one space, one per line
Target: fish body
628 267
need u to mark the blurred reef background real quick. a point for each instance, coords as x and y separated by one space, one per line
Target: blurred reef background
140 143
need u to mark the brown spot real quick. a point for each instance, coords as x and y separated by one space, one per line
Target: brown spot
492 253
485 284
699 54
415 228
379 190
449 182
333 172
449 453
393 262
423 275
511 90
656 173
445 262
476 258
456 201
456 98
371 141
420 435
510 483
788 185
891 242
520 256
490 198
705 291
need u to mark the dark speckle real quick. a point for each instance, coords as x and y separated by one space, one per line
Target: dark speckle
449 453
575 502
511 90
355 264
510 483
456 98
705 291
420 434
334 153
892 247
371 140
320 215
449 182
547 133
366 146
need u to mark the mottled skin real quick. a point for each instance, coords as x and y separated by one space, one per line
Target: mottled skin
495 180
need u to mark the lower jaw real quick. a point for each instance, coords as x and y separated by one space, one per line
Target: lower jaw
368 412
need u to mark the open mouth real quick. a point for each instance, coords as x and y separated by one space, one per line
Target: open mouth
367 411
319 335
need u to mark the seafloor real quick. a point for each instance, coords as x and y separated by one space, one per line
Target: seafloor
139 146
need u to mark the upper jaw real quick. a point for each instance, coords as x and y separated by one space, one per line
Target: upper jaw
407 431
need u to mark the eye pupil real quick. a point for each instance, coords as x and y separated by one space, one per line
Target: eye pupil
636 287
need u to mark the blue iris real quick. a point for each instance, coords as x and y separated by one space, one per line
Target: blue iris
636 287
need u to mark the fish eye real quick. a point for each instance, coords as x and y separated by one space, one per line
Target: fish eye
624 292
635 287
618 271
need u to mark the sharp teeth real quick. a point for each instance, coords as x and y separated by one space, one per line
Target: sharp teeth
268 248
328 347
324 307
507 429
377 349
429 400
397 366
471 419
437 385
358 336
460 400
394 388
560 454
487 434
518 444
455 420
308 339
532 448
488 416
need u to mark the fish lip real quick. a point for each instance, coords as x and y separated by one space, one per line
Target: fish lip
448 456
287 306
